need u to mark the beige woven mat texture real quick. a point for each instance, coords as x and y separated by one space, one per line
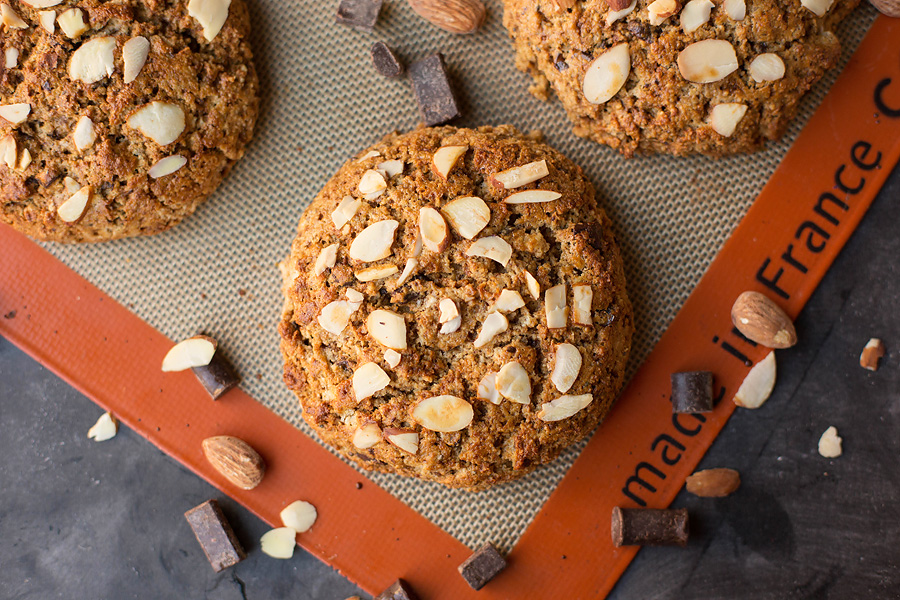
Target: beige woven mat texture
322 103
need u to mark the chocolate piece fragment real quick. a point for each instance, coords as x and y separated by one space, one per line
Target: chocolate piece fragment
385 61
359 14
218 376
649 527
692 392
215 535
482 566
399 590
431 85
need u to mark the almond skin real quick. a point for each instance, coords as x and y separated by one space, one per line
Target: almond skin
763 321
235 460
455 16
713 483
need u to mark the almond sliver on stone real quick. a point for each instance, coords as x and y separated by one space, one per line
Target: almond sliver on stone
369 379
522 175
758 384
443 413
607 74
563 407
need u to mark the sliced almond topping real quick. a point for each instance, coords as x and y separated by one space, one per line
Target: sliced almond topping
607 74
167 166
487 389
71 185
443 413
345 211
354 296
707 61
72 23
372 184
871 354
555 306
534 288
660 10
563 407
724 118
104 429
24 159
508 301
433 229
95 60
368 155
389 168
84 135
758 384
582 297
160 121
211 14
767 67
614 15
134 55
15 113
566 367
449 319
819 7
72 209
279 542
392 358
48 20
336 315
411 264
830 443
405 439
417 247
11 19
375 273
8 151
193 352
387 328
326 259
513 383
445 159
467 215
521 175
369 379
374 242
493 247
736 9
367 435
695 14
493 324
11 58
41 3
532 196
299 516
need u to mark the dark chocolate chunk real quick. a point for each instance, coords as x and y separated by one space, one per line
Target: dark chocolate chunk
482 566
218 376
692 392
437 103
385 61
359 14
399 590
649 527
215 535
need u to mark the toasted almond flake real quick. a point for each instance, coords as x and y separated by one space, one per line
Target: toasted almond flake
387 328
368 155
24 159
389 168
872 353
15 113
335 316
495 323
160 121
555 306
521 175
417 246
167 166
767 67
8 151
104 429
707 61
211 14
41 3
94 60
443 413
193 352
367 435
492 247
71 185
375 273
724 118
72 23
532 196
758 384
736 9
818 7
374 242
11 19
695 14
445 158
47 19
830 443
299 516
582 297
392 357
467 215
354 296
563 407
326 259
411 264
345 211
508 301
134 55
11 57
449 319
369 379
487 389
614 15
433 229
566 367
405 439
372 184
72 209
660 10
279 542
84 135
606 75
534 288
513 383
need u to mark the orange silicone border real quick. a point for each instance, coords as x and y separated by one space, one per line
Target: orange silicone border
113 357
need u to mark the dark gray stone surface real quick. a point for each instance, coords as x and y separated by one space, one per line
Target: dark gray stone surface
80 519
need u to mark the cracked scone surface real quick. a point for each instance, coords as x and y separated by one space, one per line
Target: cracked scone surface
657 110
565 242
211 82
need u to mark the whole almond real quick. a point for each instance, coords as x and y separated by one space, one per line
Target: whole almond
713 483
618 4
890 8
235 459
455 16
763 321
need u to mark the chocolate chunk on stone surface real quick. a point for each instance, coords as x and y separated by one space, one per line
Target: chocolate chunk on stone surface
215 535
649 527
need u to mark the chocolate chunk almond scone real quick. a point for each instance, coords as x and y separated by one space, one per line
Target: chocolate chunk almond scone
455 307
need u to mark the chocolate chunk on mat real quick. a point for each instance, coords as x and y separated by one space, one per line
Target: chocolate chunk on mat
215 535
218 376
692 392
482 566
399 590
649 527
359 14
435 97
385 61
